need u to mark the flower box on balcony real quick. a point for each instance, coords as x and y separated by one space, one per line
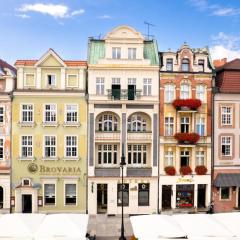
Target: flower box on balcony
170 170
185 170
187 138
201 170
187 104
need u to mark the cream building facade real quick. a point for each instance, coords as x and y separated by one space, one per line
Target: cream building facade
123 73
49 134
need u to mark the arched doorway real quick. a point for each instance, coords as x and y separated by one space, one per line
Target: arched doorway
1 197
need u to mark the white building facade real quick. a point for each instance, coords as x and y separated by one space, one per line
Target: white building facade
123 76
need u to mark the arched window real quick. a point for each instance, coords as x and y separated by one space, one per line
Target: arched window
185 65
1 197
137 123
169 93
108 122
185 91
200 92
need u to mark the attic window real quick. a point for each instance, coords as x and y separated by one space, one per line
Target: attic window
51 80
185 65
26 182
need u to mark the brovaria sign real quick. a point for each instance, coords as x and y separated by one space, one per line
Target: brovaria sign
41 169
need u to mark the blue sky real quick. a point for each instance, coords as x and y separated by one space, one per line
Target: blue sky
28 28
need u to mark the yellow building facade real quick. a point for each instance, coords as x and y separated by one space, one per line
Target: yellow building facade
49 134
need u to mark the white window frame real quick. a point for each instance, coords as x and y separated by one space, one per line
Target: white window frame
226 144
109 120
70 111
44 145
44 111
71 146
185 123
116 53
147 87
200 157
64 191
22 182
3 115
21 113
169 158
167 126
230 194
227 116
112 151
25 80
169 93
168 64
116 80
200 121
132 53
134 120
53 183
75 86
144 149
185 91
52 74
21 145
3 148
100 85
201 92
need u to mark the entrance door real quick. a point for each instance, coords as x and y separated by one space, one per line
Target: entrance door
116 91
27 203
166 196
1 197
131 92
102 198
201 203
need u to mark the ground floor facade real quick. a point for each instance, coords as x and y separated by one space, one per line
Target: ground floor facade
226 189
184 192
139 195
4 192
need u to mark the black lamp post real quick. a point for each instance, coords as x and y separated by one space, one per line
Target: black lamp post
122 163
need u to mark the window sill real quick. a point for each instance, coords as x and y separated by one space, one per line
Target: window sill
27 124
71 124
50 124
71 159
50 158
26 158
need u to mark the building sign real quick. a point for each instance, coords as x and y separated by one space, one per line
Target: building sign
184 180
44 170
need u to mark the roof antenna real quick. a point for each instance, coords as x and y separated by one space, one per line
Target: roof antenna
148 26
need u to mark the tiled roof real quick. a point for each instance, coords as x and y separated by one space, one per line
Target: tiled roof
4 64
232 65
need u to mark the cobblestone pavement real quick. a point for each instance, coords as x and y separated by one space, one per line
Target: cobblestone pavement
108 227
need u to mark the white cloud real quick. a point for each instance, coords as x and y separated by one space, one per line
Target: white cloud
226 12
225 46
105 16
25 16
54 10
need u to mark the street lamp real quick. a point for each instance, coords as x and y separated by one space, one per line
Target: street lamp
122 163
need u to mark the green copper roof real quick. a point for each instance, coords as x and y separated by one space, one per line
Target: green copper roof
96 51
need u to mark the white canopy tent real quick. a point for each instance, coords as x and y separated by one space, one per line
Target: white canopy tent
19 226
63 226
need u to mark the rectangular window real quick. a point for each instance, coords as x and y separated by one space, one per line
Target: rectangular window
226 116
147 86
169 126
201 65
71 114
2 115
50 113
185 91
200 92
132 53
70 194
185 124
200 125
99 86
143 194
185 158
72 80
169 65
169 93
27 146
1 149
107 154
116 53
200 155
225 193
27 113
49 194
137 154
51 80
226 145
50 146
169 158
71 149
125 194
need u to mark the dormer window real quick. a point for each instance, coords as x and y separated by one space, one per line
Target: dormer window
132 53
116 53
169 65
51 80
185 65
201 65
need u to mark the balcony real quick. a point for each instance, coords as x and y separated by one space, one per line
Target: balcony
187 105
123 94
113 136
139 136
139 172
107 172
187 138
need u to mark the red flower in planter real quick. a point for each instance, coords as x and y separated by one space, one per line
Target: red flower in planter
170 170
201 170
192 104
185 170
187 138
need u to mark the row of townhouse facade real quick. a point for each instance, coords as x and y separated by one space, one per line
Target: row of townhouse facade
66 124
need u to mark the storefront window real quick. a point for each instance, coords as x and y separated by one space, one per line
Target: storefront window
185 196
143 194
125 194
70 194
49 194
225 193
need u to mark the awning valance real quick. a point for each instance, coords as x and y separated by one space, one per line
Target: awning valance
227 180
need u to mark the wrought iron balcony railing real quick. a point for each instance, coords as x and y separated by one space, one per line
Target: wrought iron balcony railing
124 94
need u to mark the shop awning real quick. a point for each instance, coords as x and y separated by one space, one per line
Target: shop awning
227 180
